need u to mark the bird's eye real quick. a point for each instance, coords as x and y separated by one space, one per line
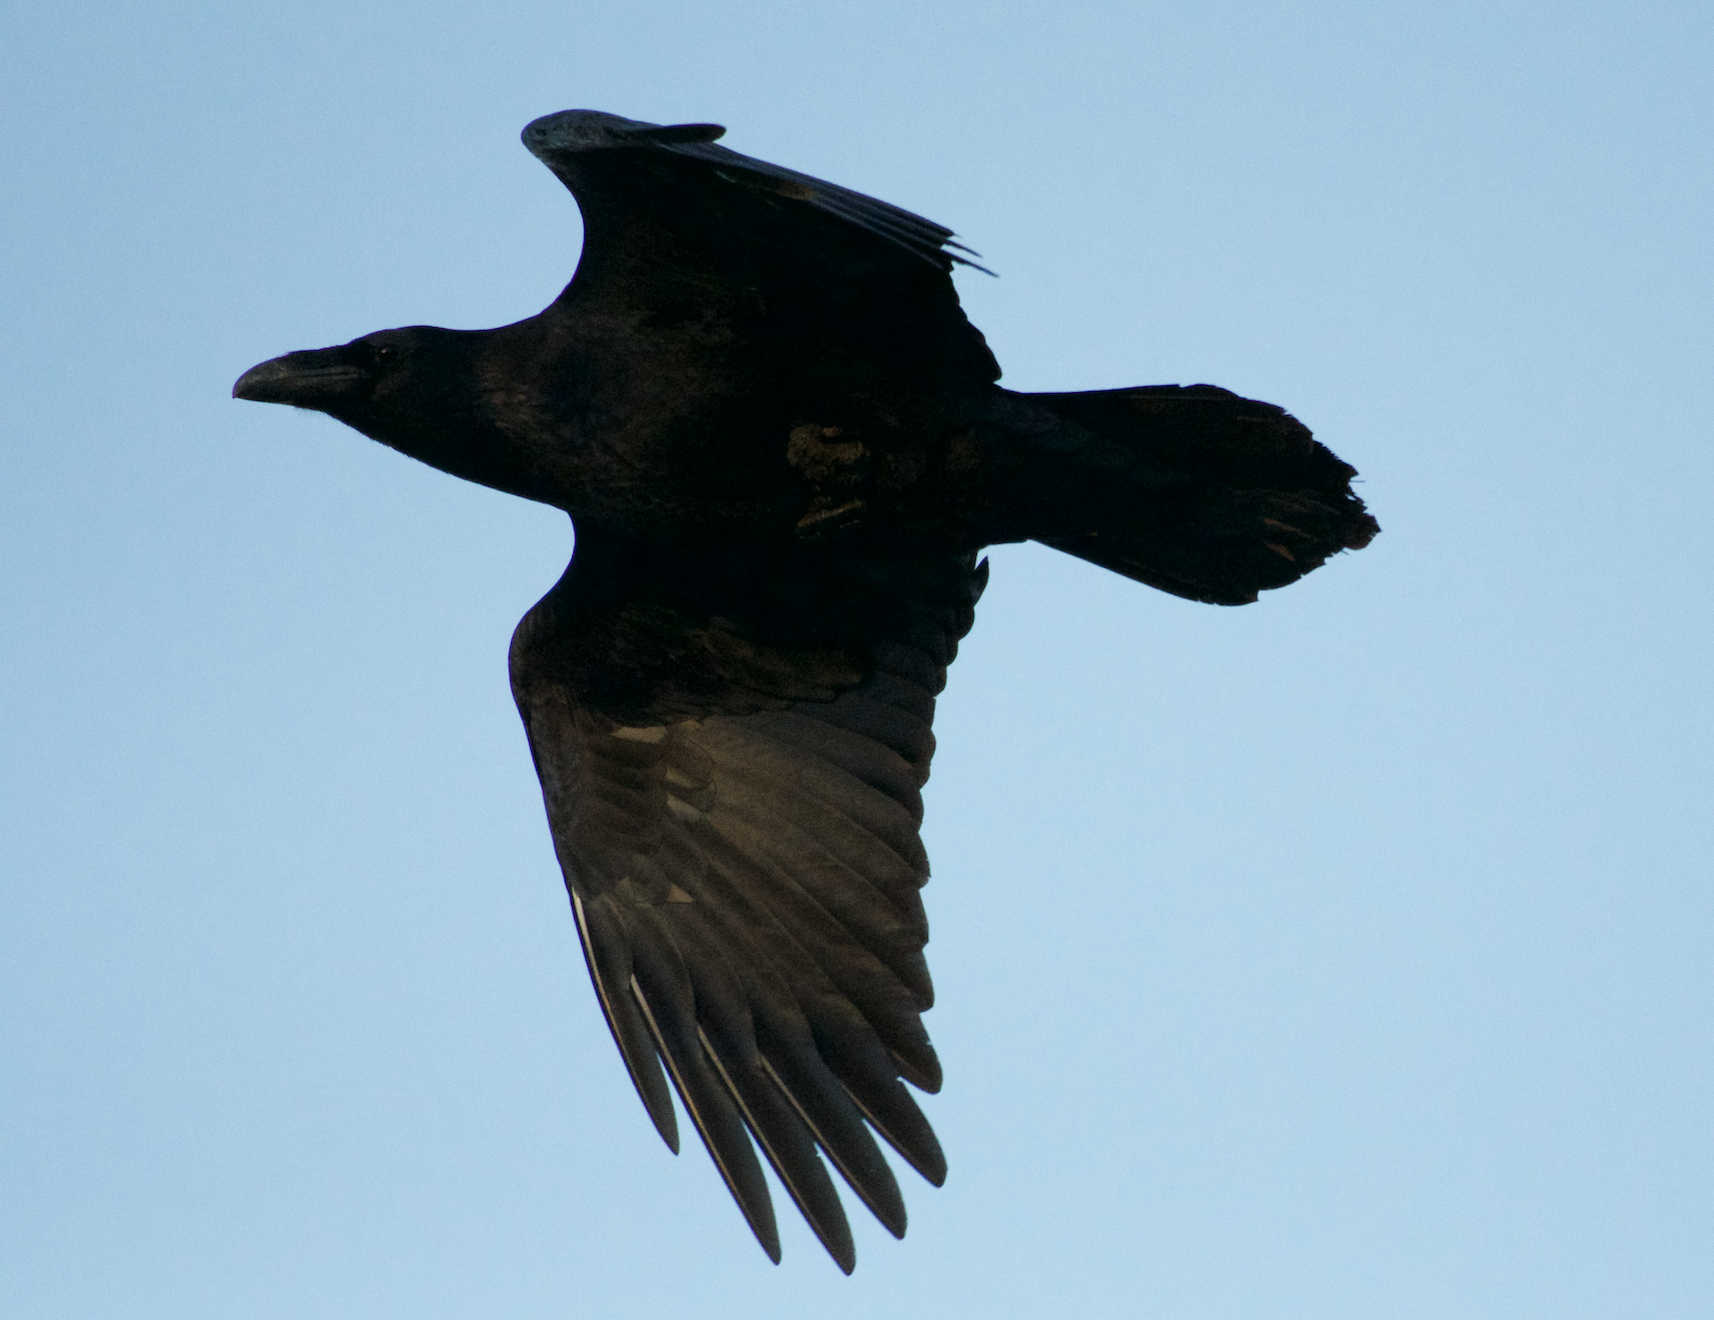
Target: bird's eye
385 353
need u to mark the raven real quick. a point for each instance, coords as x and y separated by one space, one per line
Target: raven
782 447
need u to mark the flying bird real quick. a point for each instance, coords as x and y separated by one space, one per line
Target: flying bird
782 449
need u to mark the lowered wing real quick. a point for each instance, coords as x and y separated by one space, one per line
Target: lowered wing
745 877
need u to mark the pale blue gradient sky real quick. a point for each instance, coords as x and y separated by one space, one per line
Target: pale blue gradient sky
1347 955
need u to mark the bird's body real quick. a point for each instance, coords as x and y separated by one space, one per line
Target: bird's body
782 446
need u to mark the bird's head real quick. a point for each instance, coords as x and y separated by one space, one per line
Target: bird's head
379 378
415 389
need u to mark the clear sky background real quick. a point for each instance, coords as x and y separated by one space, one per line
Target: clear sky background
1346 955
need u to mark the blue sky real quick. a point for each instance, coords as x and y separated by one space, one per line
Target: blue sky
1345 955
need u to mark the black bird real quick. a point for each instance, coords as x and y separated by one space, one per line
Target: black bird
781 445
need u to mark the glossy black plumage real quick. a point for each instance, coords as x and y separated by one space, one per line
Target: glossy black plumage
782 447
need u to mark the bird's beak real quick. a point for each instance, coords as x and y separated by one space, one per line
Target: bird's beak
314 378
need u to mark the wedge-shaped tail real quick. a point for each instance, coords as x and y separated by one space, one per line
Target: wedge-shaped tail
1191 489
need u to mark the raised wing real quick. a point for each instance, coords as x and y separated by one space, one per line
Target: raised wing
670 217
746 884
558 138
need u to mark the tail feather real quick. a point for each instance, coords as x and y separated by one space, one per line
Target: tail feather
1191 489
